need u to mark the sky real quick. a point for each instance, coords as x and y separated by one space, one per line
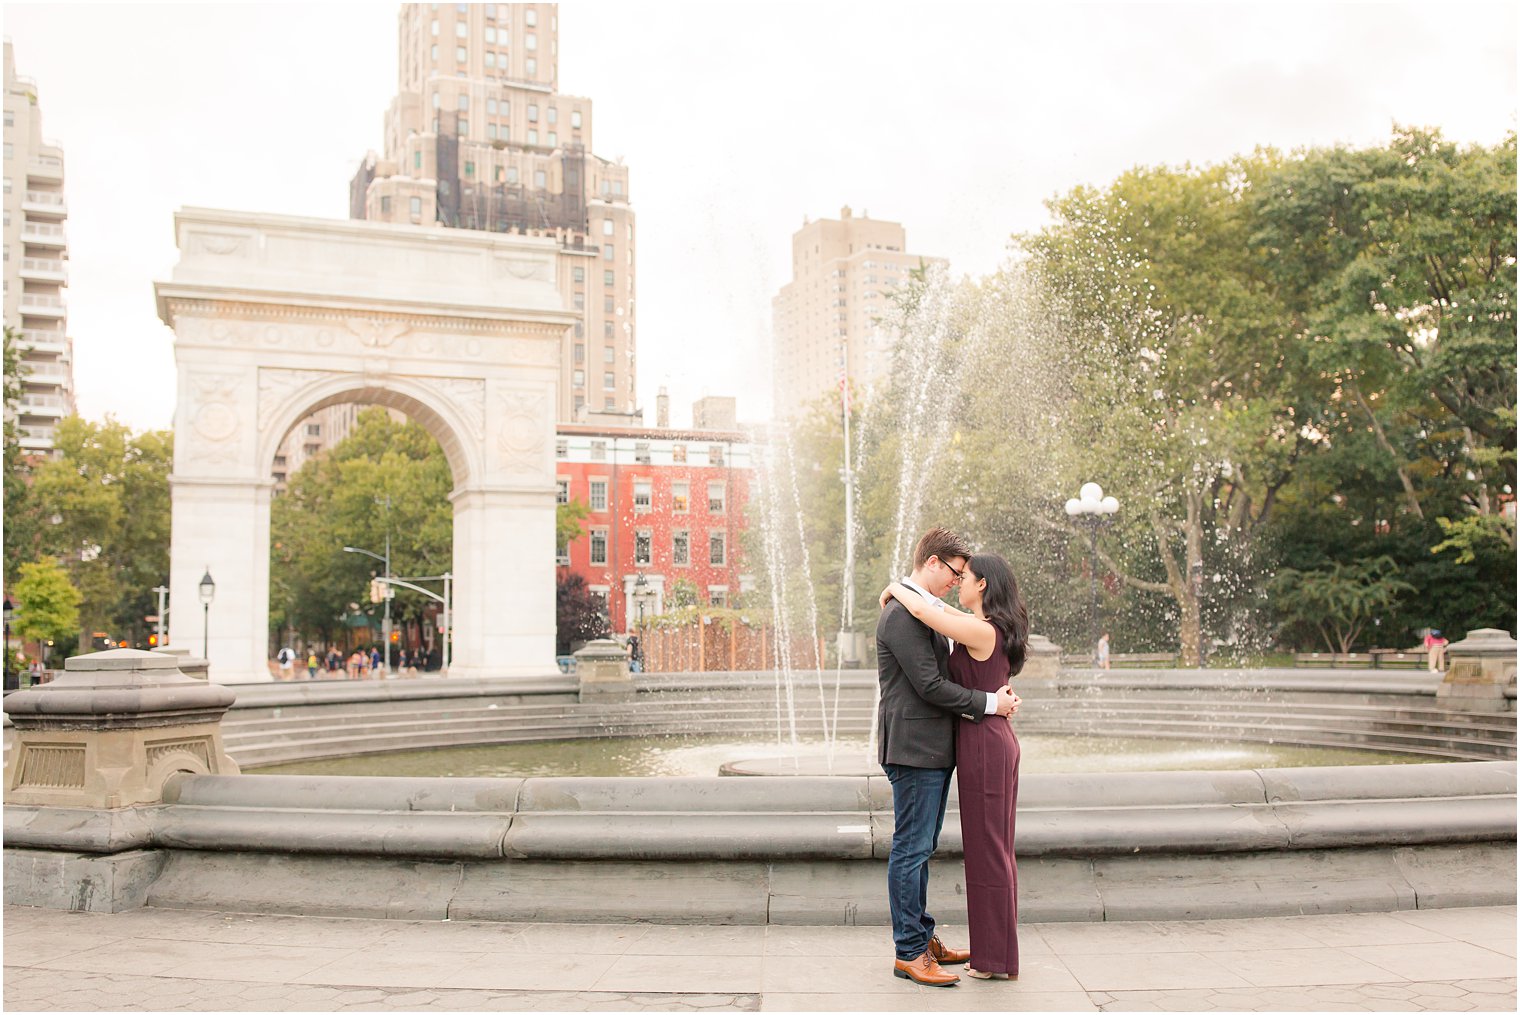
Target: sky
737 121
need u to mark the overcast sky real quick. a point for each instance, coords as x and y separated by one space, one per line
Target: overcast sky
737 120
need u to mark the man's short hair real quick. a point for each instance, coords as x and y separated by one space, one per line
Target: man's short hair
941 543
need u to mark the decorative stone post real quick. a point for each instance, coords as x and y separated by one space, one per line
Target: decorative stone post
1042 659
1479 669
111 730
603 668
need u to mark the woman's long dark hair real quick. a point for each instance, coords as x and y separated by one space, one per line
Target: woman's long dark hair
1004 606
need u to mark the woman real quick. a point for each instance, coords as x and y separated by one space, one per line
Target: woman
990 642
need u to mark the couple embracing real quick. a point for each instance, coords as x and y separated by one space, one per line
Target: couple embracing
944 710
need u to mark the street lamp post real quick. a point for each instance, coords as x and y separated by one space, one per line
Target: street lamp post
159 624
640 587
208 593
10 609
385 625
1092 510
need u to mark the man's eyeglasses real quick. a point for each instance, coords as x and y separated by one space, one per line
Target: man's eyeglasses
953 570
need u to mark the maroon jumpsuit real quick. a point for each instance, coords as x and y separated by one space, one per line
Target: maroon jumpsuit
987 778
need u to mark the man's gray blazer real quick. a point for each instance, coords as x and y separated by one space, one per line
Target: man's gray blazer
915 722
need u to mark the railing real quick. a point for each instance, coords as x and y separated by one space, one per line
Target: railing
34 370
40 300
44 197
41 229
49 162
53 265
38 339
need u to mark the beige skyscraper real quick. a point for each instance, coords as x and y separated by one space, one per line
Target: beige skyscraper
36 269
825 321
479 137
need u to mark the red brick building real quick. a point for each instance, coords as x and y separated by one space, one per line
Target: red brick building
666 504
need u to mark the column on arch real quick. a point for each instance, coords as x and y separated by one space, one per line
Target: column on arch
503 611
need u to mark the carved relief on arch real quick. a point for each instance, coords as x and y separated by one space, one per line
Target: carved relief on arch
523 430
213 416
275 388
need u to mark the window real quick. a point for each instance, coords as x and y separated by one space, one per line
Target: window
717 547
511 172
580 330
540 178
580 352
598 451
433 53
715 494
530 17
562 553
643 541
435 26
643 496
607 253
552 113
579 274
561 491
680 549
385 206
504 107
553 139
715 454
578 378
609 404
609 354
680 497
491 135
641 453
599 546
562 448
580 301
608 277
464 102
606 329
609 382
417 161
469 167
532 67
459 54
599 495
416 205
532 113
461 29
606 304
678 453
607 227
279 461
462 127
617 186
575 119
312 449
717 597
530 42
313 429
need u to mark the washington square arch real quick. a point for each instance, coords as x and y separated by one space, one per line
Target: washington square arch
276 317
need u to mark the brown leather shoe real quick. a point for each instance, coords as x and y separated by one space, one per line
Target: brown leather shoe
946 956
926 971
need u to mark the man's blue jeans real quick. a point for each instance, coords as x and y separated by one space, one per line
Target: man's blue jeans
919 796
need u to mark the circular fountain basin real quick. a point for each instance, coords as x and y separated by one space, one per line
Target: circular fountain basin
707 756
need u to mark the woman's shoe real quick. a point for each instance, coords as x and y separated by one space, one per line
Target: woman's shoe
977 974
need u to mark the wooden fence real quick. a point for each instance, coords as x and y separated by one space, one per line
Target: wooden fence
710 644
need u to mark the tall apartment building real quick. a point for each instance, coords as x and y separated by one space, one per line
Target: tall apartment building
36 256
825 321
479 137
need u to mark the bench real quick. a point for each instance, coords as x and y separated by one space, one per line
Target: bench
1123 658
1378 658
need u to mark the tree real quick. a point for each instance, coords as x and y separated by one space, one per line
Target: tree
580 614
102 507
683 593
567 523
386 479
1340 600
47 605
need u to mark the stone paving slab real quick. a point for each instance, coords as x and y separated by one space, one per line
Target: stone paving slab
179 960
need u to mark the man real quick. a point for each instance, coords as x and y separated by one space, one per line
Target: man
916 727
287 658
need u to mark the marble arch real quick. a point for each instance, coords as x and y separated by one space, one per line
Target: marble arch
275 317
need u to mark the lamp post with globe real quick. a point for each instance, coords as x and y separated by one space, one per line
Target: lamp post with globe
208 593
1092 510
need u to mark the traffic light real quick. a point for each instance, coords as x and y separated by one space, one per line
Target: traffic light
395 637
152 641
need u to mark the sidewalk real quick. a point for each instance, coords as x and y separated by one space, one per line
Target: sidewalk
167 960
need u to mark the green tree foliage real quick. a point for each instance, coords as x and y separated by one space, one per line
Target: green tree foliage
102 508
384 479
683 593
567 522
1342 599
47 604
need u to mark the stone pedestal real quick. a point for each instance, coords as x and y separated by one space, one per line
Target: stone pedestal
111 730
189 665
1479 669
1042 660
603 668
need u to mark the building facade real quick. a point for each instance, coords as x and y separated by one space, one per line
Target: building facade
667 507
36 264
479 137
826 320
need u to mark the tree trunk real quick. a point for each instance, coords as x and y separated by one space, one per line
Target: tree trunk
1398 464
1192 601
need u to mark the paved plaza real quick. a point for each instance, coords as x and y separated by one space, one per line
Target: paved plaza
181 960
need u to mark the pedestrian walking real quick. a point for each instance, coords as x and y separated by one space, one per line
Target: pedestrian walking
1435 650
